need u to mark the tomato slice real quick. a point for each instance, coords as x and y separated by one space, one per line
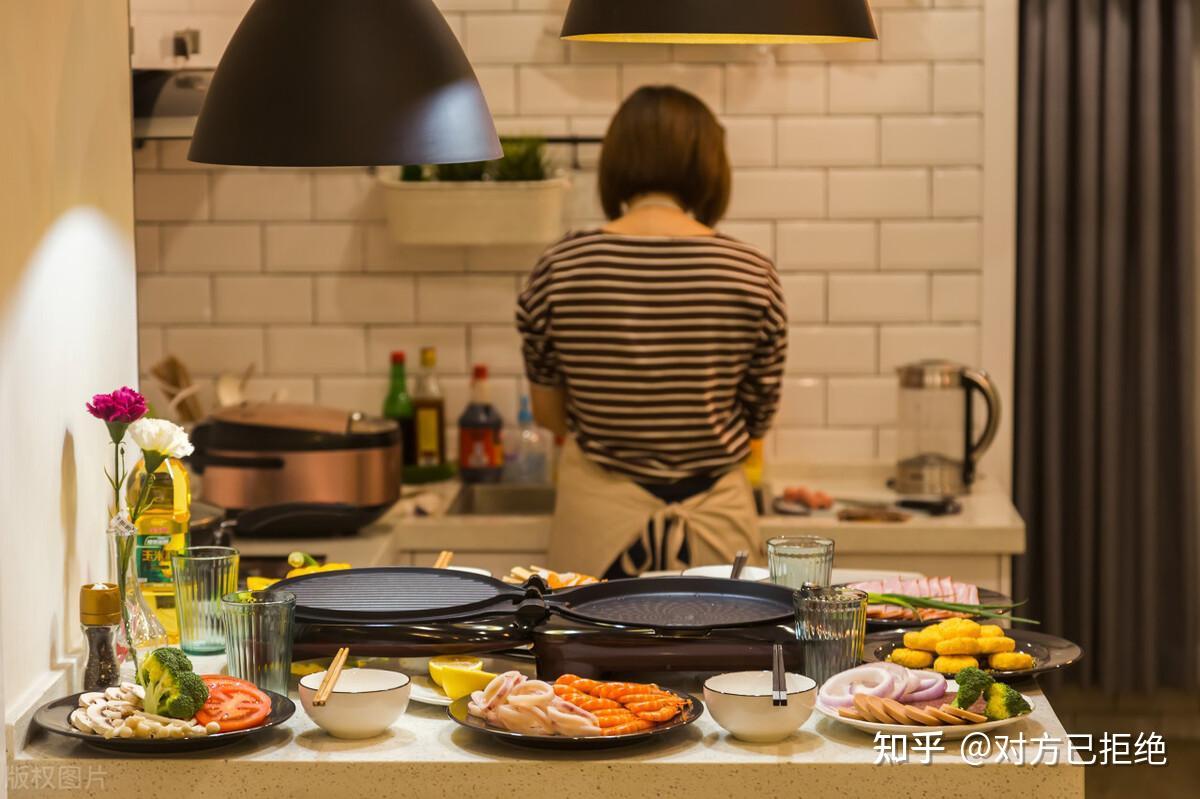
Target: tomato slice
234 704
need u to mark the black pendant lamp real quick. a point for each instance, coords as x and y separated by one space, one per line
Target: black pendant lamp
720 21
343 83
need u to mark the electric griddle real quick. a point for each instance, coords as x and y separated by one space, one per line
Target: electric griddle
621 626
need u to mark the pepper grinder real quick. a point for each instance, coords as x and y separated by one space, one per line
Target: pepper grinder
100 619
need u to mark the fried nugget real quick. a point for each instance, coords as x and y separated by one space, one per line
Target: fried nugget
921 639
958 646
1011 661
996 645
959 628
953 664
990 630
911 658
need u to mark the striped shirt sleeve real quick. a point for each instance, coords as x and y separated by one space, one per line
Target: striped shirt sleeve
533 321
760 388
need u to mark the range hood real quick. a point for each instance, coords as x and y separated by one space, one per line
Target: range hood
167 101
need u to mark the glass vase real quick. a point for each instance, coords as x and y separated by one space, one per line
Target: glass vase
140 631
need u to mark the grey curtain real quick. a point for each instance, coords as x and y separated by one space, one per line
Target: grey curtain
1103 469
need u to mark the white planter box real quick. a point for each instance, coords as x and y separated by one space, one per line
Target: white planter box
474 212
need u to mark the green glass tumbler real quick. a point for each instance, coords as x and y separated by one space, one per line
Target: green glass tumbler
202 576
258 637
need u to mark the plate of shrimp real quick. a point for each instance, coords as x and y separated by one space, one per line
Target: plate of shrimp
574 712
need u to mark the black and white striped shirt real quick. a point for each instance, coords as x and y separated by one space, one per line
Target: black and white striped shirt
670 349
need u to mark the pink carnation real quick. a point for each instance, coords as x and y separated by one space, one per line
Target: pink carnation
123 406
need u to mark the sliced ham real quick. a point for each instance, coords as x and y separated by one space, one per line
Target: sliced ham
942 588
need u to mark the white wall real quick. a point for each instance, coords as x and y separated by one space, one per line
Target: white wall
67 316
862 169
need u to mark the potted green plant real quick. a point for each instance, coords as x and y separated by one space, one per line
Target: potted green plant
515 200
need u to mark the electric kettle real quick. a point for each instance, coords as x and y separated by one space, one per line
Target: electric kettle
936 446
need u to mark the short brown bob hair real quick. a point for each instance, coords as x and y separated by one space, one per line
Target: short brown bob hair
665 140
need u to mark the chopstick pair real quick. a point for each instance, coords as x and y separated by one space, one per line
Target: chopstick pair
778 678
443 559
331 677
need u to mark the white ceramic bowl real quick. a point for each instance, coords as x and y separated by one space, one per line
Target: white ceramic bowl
364 703
755 574
740 701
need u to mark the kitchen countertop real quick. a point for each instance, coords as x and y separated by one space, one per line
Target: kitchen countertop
988 529
425 754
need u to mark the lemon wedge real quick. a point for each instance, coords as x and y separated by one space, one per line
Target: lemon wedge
458 682
437 665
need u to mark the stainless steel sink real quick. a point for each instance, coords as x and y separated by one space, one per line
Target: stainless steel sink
503 499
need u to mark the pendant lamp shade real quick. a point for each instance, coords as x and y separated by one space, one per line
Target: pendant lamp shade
343 83
720 21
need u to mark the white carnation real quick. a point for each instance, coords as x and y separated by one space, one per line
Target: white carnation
161 436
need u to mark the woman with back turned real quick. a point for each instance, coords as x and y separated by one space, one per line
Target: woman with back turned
656 344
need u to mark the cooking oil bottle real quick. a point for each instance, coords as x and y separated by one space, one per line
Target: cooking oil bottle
162 529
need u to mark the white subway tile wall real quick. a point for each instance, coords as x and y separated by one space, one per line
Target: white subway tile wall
859 168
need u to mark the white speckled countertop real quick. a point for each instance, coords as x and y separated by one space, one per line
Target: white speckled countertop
425 754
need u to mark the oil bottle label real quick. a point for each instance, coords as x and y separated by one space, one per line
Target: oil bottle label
429 433
154 558
479 449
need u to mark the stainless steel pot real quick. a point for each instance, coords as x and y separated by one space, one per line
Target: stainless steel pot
301 469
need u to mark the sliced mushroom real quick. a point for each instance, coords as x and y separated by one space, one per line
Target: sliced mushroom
79 720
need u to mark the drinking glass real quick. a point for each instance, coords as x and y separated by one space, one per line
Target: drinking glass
832 624
258 637
799 560
202 576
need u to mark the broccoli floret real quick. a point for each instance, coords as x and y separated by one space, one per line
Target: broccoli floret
172 688
1004 701
971 684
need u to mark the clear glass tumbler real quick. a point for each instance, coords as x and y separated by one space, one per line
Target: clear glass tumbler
799 560
202 576
258 636
832 624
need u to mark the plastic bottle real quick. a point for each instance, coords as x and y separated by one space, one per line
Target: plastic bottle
480 452
162 529
530 462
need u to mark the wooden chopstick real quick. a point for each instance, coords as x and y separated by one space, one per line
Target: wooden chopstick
443 559
739 563
778 678
331 677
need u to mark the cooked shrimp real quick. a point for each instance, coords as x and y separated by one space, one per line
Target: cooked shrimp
664 713
586 686
604 722
586 702
651 706
615 690
567 679
637 725
661 696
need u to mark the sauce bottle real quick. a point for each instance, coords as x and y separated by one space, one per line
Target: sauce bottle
398 405
430 413
480 452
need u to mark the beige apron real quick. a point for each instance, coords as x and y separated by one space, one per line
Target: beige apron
599 514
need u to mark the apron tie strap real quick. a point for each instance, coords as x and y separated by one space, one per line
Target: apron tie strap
671 525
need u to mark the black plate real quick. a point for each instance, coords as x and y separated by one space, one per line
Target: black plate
1049 652
677 603
986 597
55 717
458 712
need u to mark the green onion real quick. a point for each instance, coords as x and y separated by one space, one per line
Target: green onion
915 602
